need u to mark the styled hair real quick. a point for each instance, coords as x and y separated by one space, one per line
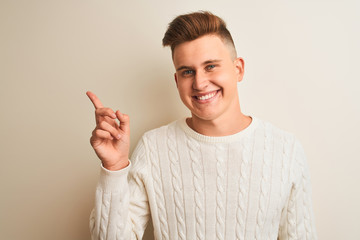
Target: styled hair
191 26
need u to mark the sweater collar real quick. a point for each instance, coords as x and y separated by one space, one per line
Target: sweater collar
230 138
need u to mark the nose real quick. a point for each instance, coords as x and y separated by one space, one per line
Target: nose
200 81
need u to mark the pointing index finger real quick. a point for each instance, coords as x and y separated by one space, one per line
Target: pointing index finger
94 99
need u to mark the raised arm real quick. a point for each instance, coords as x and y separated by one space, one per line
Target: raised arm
110 138
121 206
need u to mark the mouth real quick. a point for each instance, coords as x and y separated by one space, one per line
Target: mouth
206 97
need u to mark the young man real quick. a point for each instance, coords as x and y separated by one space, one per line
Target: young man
216 175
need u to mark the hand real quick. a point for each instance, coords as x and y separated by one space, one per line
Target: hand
110 139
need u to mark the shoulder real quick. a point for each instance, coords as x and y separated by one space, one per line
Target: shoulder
282 141
290 143
154 142
285 143
162 131
155 139
275 132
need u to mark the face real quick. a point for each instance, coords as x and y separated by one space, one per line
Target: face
206 77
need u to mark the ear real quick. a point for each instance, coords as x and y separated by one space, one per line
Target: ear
239 68
175 77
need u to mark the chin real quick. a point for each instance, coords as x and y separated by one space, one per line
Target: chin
205 117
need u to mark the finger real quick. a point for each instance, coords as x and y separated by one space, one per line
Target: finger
107 127
98 133
94 99
105 112
124 122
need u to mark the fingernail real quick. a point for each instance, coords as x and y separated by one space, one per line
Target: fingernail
118 136
113 115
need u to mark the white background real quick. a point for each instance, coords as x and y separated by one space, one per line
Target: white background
301 74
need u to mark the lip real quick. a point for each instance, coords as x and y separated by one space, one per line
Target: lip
195 97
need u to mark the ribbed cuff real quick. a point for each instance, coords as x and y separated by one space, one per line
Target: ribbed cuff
113 181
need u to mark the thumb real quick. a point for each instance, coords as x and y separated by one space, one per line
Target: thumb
124 122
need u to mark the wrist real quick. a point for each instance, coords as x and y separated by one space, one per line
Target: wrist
117 166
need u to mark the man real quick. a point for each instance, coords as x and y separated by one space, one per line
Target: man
216 175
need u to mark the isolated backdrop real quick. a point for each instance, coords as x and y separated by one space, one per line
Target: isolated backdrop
301 74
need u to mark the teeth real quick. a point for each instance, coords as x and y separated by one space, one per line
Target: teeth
210 95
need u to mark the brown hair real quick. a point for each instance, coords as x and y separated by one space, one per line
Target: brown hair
191 26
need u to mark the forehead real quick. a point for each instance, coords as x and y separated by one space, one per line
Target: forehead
202 49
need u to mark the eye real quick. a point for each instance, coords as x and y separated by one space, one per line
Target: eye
187 72
210 67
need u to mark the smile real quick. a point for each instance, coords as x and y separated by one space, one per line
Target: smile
206 96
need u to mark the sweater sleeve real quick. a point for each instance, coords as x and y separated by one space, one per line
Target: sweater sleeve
297 218
121 205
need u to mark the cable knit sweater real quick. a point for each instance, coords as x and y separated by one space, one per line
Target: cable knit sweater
251 185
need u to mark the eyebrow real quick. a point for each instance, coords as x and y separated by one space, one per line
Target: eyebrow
204 63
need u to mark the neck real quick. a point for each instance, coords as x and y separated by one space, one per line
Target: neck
221 126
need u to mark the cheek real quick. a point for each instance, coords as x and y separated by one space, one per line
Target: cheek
185 94
183 86
225 78
183 91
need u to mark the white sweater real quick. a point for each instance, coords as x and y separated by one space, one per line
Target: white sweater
251 185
